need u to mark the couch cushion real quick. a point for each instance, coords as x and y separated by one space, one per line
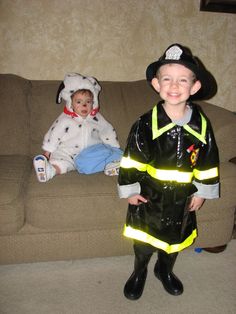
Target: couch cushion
15 170
217 214
123 102
75 202
14 119
43 111
223 123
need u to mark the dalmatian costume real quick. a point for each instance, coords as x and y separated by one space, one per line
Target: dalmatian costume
70 133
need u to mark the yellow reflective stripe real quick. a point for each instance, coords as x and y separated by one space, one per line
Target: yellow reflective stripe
147 238
127 162
170 175
201 136
159 174
206 174
155 131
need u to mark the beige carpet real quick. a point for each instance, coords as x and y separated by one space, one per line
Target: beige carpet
96 286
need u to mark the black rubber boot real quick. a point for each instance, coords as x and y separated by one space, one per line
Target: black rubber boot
135 284
163 271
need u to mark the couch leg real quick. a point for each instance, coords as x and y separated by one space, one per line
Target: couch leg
216 249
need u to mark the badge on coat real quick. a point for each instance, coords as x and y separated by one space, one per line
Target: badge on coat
194 152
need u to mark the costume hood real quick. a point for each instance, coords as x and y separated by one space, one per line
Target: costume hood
73 82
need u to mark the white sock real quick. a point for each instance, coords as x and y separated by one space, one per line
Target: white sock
50 171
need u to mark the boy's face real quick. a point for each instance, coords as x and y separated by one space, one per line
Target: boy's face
82 103
175 83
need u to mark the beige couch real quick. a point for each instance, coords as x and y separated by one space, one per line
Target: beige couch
80 216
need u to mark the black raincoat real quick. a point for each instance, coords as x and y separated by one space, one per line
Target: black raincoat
167 161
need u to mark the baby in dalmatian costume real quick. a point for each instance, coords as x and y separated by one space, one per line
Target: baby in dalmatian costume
78 128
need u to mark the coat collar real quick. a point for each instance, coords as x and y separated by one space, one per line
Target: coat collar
161 123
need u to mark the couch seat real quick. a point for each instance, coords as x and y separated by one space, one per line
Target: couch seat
72 201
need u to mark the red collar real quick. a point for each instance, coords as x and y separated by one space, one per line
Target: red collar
73 114
70 113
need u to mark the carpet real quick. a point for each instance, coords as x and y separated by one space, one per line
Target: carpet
96 286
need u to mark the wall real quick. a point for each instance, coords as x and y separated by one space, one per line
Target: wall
113 40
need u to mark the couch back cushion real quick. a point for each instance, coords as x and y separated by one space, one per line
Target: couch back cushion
14 117
43 111
223 123
123 102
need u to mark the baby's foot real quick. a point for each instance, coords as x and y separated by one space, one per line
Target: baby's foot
112 169
40 164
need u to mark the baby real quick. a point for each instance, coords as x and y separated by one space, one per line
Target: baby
78 127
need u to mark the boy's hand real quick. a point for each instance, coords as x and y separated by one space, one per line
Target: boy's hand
136 199
196 203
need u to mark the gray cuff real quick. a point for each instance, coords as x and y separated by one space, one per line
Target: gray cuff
207 191
126 191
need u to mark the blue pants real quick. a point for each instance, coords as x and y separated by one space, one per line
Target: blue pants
94 158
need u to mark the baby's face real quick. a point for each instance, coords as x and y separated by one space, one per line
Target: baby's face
82 104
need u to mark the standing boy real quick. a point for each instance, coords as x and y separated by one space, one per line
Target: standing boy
169 167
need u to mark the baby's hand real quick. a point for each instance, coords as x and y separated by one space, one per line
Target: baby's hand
196 203
136 199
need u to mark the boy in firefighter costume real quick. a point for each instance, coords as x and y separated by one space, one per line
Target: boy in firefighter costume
79 127
169 167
